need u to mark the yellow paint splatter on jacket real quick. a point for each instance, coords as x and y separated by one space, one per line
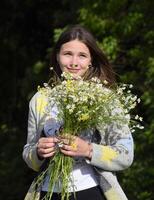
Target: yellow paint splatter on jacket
108 154
41 104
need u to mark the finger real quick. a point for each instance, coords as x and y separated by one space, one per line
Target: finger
66 147
48 140
68 153
45 145
48 155
46 151
65 141
72 147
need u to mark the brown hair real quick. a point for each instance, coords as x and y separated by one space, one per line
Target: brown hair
101 67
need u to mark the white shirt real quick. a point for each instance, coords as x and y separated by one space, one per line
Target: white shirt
83 177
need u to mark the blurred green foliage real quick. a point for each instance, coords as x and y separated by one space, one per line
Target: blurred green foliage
125 31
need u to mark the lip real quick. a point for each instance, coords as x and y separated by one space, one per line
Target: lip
73 69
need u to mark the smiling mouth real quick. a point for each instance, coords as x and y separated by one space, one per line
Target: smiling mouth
73 69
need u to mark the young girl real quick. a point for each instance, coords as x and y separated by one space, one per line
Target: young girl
77 52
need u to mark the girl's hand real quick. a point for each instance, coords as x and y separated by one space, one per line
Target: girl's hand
78 147
46 147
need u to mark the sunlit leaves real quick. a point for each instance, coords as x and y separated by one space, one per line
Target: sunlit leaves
110 47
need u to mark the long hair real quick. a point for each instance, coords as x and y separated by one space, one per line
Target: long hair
101 68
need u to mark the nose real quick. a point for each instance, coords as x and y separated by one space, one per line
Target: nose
74 62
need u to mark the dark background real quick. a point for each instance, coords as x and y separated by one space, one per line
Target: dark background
29 28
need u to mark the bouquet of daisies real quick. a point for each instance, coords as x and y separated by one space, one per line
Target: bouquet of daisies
81 105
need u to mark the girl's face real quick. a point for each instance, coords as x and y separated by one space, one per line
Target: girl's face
74 57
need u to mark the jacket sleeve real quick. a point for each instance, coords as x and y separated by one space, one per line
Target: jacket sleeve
36 107
116 150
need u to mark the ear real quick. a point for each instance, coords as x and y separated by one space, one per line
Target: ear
90 65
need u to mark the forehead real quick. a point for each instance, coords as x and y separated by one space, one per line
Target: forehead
75 45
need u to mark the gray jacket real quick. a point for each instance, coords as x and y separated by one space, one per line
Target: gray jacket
114 153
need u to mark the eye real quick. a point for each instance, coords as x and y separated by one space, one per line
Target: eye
83 55
67 53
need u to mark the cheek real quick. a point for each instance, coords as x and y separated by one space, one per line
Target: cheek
63 60
85 63
63 63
